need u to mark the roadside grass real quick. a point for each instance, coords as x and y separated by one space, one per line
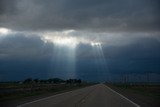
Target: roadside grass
18 91
146 90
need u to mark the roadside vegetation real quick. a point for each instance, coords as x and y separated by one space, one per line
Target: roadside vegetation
151 90
144 94
32 87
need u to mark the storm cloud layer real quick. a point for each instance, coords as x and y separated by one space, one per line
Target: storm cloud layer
100 15
25 55
89 39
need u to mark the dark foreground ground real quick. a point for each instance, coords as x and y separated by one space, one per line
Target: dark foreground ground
75 95
94 96
144 95
13 94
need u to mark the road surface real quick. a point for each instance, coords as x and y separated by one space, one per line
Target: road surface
94 96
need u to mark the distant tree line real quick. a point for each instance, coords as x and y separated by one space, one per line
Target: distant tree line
70 81
52 81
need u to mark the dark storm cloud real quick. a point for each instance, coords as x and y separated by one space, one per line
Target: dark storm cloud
127 30
19 46
100 15
24 55
139 57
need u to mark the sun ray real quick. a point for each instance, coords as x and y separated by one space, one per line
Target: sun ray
4 31
101 60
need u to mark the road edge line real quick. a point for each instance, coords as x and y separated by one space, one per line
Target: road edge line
41 99
123 96
21 105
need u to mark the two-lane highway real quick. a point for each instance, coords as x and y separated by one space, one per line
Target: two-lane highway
93 96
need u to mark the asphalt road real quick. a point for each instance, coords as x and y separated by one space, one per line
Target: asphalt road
93 96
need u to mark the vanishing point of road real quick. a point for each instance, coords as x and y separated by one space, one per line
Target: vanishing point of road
93 96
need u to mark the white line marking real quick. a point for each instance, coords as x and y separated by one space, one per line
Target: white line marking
123 96
43 99
50 97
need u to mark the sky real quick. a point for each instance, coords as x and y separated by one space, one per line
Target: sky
95 40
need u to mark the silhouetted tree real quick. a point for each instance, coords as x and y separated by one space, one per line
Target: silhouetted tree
79 81
73 81
43 81
36 80
28 80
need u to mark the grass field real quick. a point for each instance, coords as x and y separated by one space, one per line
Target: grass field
12 91
146 90
142 94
